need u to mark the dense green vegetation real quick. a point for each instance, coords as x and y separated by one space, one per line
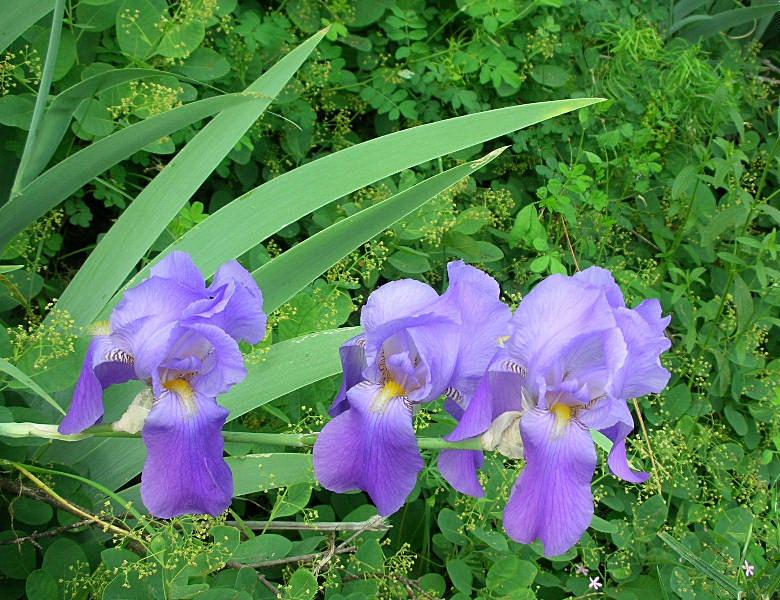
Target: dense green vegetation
671 183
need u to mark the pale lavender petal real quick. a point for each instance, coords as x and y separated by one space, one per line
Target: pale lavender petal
433 337
370 447
551 315
478 414
148 340
650 310
645 339
605 412
243 317
484 320
437 343
499 390
603 279
591 359
179 267
460 467
223 363
552 500
353 361
618 461
396 300
99 372
158 299
185 471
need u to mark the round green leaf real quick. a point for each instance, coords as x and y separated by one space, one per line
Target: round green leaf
41 585
263 547
181 39
32 512
138 26
17 561
61 558
303 585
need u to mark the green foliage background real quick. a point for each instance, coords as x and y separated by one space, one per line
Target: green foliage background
672 183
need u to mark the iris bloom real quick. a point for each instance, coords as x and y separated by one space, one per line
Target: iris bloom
574 357
416 346
181 338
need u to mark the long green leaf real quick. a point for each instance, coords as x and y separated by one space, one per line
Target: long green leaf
703 26
288 366
283 277
259 213
145 219
60 181
18 16
63 106
27 382
42 98
703 567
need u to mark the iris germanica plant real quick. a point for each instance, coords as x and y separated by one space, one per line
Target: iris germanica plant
576 353
416 346
181 338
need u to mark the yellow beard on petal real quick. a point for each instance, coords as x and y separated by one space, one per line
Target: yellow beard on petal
563 415
183 389
391 389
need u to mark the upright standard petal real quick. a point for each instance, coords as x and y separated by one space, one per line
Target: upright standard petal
643 372
222 362
185 472
179 267
370 447
552 500
603 279
484 320
243 317
396 300
162 300
555 311
104 365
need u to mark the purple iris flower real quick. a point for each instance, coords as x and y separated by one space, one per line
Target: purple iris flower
416 346
575 355
180 337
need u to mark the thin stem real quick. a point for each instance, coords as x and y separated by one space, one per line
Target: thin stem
370 525
45 534
43 93
568 241
295 559
70 507
293 440
656 465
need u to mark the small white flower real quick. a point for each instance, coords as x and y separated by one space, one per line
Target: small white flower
581 569
595 584
749 569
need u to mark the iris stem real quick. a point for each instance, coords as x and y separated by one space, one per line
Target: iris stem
292 440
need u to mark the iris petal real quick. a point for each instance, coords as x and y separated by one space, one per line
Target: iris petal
460 467
243 317
484 319
552 500
551 315
98 372
185 471
371 447
396 300
179 267
353 361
